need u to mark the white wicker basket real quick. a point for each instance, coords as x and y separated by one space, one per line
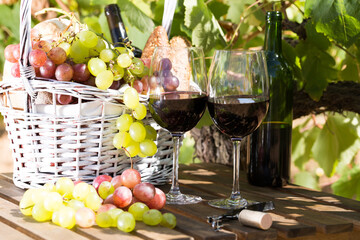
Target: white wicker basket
52 141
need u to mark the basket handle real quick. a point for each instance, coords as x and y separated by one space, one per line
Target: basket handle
27 72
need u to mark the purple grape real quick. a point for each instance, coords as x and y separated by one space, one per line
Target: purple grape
156 73
170 83
81 72
115 85
153 82
64 72
48 69
166 73
165 64
63 99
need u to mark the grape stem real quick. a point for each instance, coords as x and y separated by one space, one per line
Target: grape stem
131 161
70 15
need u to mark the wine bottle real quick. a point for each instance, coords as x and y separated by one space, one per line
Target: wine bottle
117 28
269 147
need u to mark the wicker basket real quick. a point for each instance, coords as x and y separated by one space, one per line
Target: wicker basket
52 141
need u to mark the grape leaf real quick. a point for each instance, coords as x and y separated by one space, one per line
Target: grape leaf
219 9
206 29
104 26
187 150
336 136
306 179
135 16
236 8
337 19
10 19
316 38
157 8
348 185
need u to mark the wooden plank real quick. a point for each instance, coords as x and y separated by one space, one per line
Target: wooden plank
328 224
10 213
159 232
12 234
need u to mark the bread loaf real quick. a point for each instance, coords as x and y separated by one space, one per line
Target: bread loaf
180 61
157 38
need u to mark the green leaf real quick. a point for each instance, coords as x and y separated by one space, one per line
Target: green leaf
306 179
206 29
337 19
93 24
157 8
10 19
136 17
104 25
349 184
236 8
316 38
336 136
187 150
219 9
205 120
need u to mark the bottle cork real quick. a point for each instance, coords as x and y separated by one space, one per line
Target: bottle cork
255 219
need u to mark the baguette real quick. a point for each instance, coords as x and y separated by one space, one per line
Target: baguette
157 38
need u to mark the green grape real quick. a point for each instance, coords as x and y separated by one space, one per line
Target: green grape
104 220
123 122
50 187
66 217
114 213
66 46
137 132
148 147
81 190
104 79
168 220
65 187
126 222
121 139
141 155
121 50
39 213
26 205
118 72
55 218
96 66
150 133
105 189
94 52
38 195
137 67
137 210
75 204
140 112
107 54
124 60
53 201
92 189
88 38
152 217
133 149
131 98
93 201
78 52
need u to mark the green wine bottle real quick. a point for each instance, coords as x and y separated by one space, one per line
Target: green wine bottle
269 147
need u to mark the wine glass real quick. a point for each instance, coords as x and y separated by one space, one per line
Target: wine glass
177 100
238 101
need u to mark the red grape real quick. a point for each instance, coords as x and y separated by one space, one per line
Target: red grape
144 192
138 86
130 178
122 197
37 72
15 70
116 181
144 81
170 83
48 69
109 199
115 85
64 72
16 52
9 53
90 81
158 201
64 99
42 45
57 55
37 58
77 182
99 179
165 64
81 72
105 207
153 82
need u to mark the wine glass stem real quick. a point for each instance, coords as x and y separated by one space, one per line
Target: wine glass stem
175 190
235 194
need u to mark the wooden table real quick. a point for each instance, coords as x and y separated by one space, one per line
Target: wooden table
300 213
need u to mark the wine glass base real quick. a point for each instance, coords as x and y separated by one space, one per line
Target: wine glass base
229 203
182 199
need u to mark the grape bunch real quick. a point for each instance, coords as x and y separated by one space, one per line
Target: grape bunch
85 58
108 202
133 136
164 76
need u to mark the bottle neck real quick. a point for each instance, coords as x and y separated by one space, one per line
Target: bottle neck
116 25
273 35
